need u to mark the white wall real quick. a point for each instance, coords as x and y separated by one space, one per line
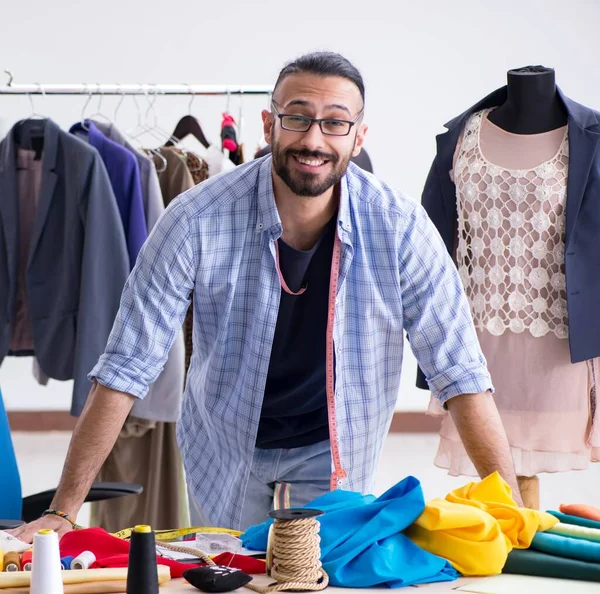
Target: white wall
424 61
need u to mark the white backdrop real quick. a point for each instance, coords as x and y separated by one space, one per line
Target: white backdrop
423 61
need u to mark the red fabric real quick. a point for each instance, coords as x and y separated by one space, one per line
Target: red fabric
246 564
227 120
111 551
230 145
581 510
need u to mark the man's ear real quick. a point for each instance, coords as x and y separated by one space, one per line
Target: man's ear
267 118
360 140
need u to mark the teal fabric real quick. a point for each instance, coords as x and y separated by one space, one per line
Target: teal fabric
565 546
575 520
11 502
362 545
531 562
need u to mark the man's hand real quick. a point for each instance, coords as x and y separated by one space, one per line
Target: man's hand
93 438
482 433
27 531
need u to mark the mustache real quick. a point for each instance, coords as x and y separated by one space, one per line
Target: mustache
318 155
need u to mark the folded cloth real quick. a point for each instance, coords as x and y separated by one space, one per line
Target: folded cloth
10 543
576 521
111 551
580 510
532 562
468 537
573 531
493 495
362 544
565 546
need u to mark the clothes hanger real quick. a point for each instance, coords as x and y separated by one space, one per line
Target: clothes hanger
241 118
153 129
82 119
118 106
134 133
188 125
34 115
98 114
170 137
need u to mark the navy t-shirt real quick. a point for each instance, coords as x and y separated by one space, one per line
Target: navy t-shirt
294 411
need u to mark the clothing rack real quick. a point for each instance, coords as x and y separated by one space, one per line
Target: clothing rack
131 89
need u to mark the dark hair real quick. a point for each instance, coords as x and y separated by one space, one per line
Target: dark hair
323 64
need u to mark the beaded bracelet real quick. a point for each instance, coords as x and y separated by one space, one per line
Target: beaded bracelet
64 516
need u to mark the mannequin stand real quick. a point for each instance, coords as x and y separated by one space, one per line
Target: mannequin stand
530 491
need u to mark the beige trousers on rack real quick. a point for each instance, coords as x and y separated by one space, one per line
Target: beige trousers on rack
146 453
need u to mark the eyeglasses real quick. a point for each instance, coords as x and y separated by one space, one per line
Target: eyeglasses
329 126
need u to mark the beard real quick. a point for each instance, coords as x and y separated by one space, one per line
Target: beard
303 183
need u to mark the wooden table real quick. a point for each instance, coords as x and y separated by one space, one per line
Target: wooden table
182 587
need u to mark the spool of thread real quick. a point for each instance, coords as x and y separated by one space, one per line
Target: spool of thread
83 561
65 562
1 559
142 573
26 559
46 575
12 561
294 551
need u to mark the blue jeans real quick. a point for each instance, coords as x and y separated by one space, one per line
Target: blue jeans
304 472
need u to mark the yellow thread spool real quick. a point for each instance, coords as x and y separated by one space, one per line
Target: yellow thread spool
45 531
142 529
12 561
1 560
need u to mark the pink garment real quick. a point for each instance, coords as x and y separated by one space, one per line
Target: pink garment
547 404
29 178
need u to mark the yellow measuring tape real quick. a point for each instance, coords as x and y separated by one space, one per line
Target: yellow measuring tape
171 535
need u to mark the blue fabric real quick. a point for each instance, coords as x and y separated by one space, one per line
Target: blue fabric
362 545
124 174
217 242
565 546
582 214
11 498
576 521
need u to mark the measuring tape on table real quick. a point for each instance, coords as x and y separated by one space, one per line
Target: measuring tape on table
175 534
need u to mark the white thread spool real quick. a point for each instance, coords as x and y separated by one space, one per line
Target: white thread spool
46 574
83 561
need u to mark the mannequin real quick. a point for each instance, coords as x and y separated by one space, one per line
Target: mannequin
512 191
533 105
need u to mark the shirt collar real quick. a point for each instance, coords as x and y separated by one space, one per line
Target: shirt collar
268 217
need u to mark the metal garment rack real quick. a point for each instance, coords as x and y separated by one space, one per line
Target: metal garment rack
150 90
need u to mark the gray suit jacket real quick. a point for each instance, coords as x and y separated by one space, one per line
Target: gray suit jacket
163 400
78 261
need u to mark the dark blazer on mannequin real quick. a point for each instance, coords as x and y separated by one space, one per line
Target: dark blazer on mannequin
582 239
78 261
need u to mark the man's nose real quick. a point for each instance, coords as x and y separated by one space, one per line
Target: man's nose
313 139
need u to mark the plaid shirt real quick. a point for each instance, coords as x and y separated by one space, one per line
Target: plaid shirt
218 240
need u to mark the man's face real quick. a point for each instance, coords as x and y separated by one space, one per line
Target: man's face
311 162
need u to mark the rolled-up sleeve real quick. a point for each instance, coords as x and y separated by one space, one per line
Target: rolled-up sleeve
153 306
437 318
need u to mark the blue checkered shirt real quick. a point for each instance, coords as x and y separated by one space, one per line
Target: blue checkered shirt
217 240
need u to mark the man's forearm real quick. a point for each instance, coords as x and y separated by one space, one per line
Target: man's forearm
482 433
93 438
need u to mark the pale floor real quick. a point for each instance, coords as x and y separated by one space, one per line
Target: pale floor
41 456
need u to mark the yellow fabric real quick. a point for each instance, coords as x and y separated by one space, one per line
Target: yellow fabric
494 496
469 538
476 526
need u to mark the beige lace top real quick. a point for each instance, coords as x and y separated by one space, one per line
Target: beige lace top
510 250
